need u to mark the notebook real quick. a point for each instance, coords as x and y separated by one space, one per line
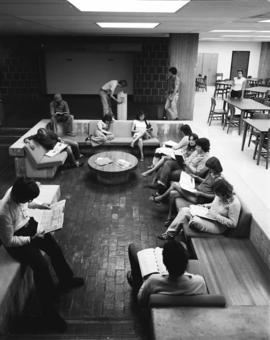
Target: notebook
59 147
198 210
151 261
187 182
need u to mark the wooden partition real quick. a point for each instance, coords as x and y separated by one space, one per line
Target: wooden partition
264 65
183 54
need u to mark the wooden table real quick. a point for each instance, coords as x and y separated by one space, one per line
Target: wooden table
113 173
244 105
188 323
262 126
261 90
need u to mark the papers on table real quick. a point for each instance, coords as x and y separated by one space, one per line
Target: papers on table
123 163
187 182
198 210
59 147
101 161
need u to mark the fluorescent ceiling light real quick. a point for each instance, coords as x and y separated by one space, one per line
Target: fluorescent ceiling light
237 31
268 20
245 36
263 31
128 24
132 6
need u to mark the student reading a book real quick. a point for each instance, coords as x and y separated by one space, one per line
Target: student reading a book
140 130
176 281
60 113
18 233
48 139
194 165
184 148
102 133
222 213
203 191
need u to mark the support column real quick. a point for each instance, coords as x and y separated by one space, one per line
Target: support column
183 54
264 65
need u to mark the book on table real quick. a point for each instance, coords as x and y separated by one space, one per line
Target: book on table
199 210
49 219
58 148
187 182
151 261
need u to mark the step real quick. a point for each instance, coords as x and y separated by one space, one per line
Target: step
18 131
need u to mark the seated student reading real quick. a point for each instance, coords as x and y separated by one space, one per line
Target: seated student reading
48 139
221 214
175 282
60 114
102 134
194 165
164 153
203 191
140 130
19 235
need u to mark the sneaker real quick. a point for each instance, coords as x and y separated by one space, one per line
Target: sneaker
165 237
74 282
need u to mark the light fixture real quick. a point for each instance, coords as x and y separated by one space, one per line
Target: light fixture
268 20
245 36
130 6
150 25
231 31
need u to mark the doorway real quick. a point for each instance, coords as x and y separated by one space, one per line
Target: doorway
207 66
240 60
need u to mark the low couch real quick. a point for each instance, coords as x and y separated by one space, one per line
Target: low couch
32 164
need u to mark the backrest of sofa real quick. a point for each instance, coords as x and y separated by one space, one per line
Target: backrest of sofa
35 155
243 227
92 126
81 127
121 128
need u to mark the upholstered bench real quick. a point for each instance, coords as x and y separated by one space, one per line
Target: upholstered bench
16 281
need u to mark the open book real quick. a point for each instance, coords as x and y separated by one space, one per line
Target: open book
198 210
49 219
59 147
101 161
187 182
123 163
170 144
151 261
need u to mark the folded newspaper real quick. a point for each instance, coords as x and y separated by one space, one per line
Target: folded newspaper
123 163
101 161
59 147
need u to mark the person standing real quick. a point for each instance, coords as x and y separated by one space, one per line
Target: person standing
172 94
60 113
109 91
239 85
19 235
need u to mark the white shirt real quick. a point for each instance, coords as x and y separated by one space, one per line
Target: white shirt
139 125
110 86
101 125
13 216
187 284
238 83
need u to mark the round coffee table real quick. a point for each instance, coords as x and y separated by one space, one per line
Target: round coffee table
113 173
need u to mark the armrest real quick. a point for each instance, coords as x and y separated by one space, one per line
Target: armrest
161 300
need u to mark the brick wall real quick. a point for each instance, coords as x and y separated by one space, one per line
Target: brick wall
150 71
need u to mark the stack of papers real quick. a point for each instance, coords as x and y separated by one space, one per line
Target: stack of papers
187 182
123 163
56 150
101 161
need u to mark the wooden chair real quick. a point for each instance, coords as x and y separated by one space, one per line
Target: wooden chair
232 119
201 83
220 89
265 152
253 132
219 76
216 114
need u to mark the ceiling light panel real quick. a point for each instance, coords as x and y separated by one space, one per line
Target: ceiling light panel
231 31
149 25
130 6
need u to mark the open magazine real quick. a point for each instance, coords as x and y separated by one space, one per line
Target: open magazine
49 219
187 182
151 261
101 161
198 210
59 147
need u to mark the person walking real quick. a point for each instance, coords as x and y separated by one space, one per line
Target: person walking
172 94
109 91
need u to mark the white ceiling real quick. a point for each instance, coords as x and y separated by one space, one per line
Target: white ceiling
58 17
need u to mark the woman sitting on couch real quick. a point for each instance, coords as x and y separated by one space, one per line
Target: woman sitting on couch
223 213
48 139
140 130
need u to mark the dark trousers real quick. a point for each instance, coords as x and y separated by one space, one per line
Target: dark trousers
31 255
236 94
135 267
165 172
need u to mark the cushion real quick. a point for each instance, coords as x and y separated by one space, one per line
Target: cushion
48 162
207 300
121 128
35 156
193 233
